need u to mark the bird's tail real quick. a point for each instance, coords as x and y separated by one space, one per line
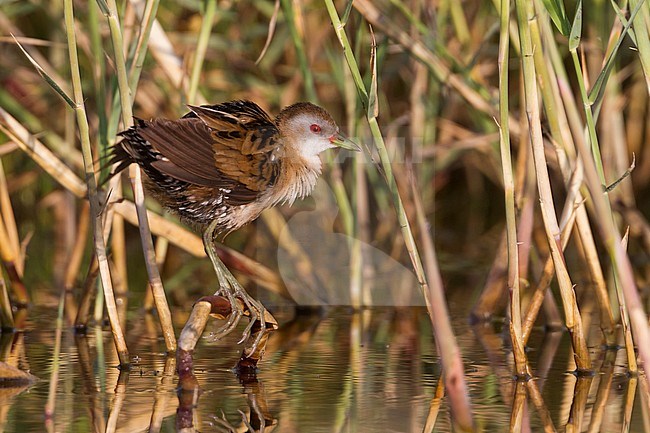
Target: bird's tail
121 155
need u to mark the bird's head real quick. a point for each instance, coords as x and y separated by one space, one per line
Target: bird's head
308 130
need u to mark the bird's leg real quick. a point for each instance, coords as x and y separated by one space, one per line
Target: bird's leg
230 287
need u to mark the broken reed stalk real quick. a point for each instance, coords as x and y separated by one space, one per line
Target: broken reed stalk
521 362
219 307
572 314
453 373
135 175
95 208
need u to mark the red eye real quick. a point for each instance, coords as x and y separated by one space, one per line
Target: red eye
314 128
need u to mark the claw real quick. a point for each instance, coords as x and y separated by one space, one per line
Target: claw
233 319
246 333
240 301
260 334
256 311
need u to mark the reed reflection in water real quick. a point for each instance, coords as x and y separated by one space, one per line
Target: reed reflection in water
373 371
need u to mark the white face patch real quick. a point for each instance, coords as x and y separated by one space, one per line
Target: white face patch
305 141
312 146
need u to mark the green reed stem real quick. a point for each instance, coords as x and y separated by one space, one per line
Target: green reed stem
303 62
148 18
434 295
595 179
95 208
341 195
201 47
99 76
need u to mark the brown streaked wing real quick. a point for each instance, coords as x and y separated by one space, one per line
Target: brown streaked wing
246 144
185 143
242 111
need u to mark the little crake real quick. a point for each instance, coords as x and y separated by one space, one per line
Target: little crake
220 166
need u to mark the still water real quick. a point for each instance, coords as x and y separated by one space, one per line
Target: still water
340 371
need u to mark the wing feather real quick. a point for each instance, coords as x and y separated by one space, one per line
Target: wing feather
233 146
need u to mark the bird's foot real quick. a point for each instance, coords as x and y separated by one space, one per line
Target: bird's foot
242 304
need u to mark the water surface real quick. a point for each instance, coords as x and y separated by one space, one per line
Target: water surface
373 371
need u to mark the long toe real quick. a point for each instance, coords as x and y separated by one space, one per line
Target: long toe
237 311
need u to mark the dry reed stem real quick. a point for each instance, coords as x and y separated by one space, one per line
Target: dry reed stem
521 362
135 175
41 155
6 314
492 298
118 253
564 143
162 395
606 376
572 314
219 307
445 341
434 408
161 248
7 213
518 407
9 259
625 322
628 406
595 182
88 289
155 281
538 401
572 202
617 254
76 256
579 404
56 361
